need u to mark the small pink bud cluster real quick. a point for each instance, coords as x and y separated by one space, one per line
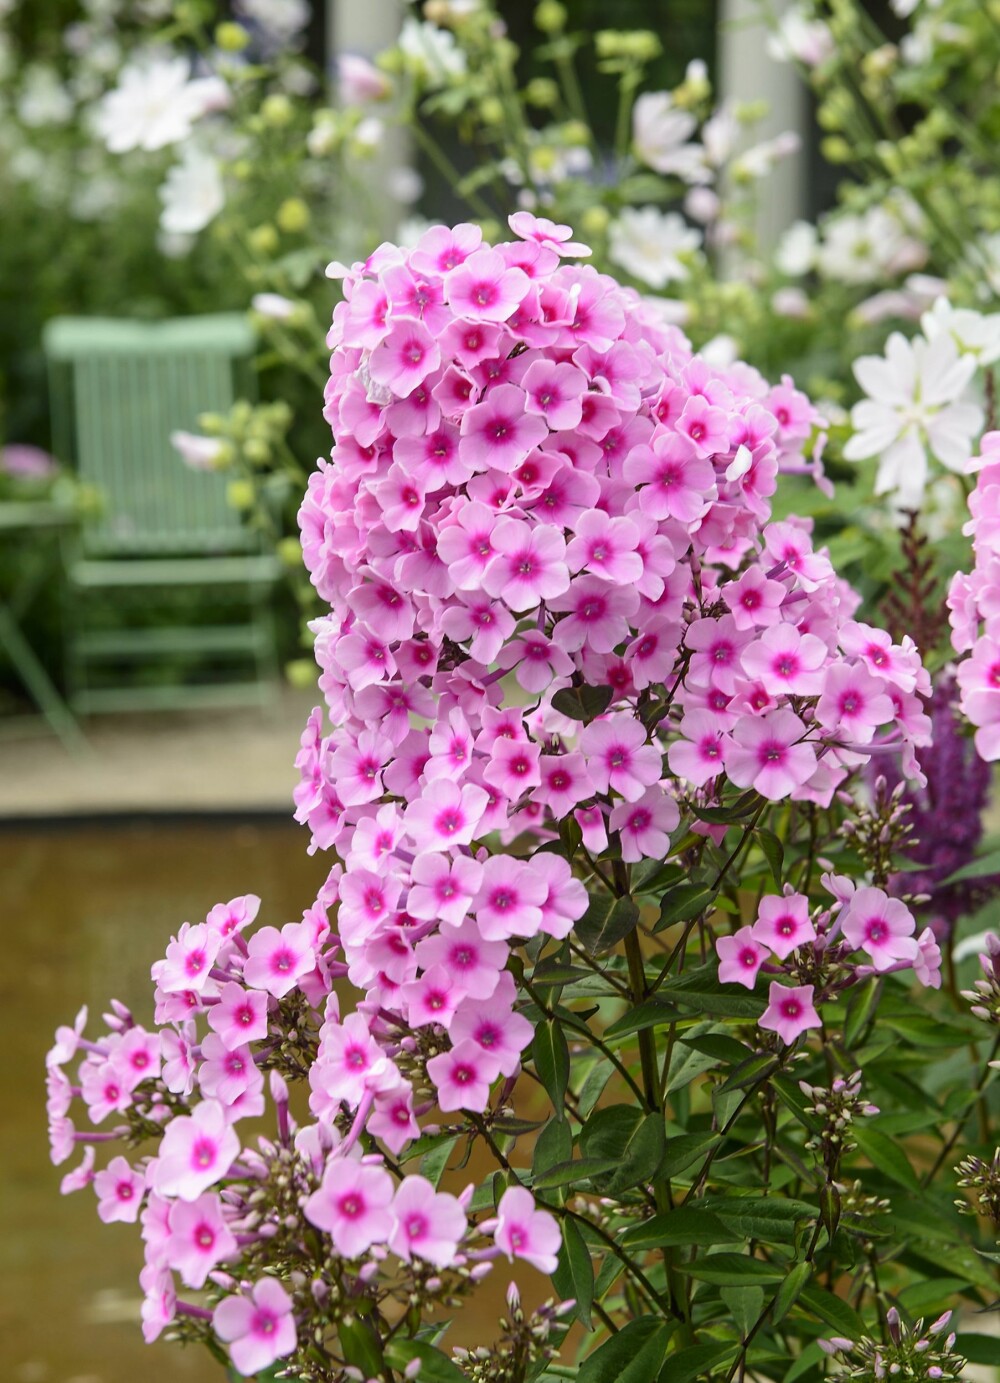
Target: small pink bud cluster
862 919
974 605
238 1015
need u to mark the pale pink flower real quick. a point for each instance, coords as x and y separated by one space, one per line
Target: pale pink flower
513 767
523 1231
854 703
426 1223
199 1239
618 757
189 960
119 1189
881 926
159 1305
197 1150
259 1329
483 288
767 753
547 233
462 1077
564 782
404 357
528 566
239 1017
227 1074
494 1027
443 888
783 923
392 1119
350 1063
790 1011
474 963
645 825
445 815
675 481
352 1205
509 899
432 998
498 434
698 757
67 1041
754 600
927 962
740 957
276 961
554 391
80 1176
785 662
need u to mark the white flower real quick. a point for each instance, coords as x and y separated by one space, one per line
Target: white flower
359 81
155 104
433 53
647 243
280 21
800 39
972 333
796 252
273 305
369 135
198 452
660 131
43 99
192 194
720 133
757 161
860 249
916 400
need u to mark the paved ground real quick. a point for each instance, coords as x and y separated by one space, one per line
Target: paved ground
188 761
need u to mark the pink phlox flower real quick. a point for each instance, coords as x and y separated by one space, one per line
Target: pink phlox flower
427 1224
498 434
381 606
618 757
199 1239
159 1305
227 1073
484 288
432 998
465 545
509 899
352 1205
881 926
513 767
349 1063
136 1057
473 962
277 960
790 1011
854 703
523 1231
565 782
791 546
705 426
451 745
67 1041
234 916
375 838
785 662
392 1119
566 900
355 767
718 645
549 234
537 661
480 620
443 888
528 566
401 498
417 295
740 957
368 901
197 1150
176 1053
652 654
783 923
598 614
593 827
119 1189
258 1329
768 753
442 248
445 815
404 357
644 826
462 1077
554 392
700 755
189 960
927 962
896 663
104 1091
81 1176
239 1017
493 1026
754 600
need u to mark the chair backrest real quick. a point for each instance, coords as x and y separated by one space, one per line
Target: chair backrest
118 390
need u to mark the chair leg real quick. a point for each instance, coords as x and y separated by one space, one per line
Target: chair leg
40 685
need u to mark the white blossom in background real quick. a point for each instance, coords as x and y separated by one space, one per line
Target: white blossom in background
156 103
43 98
273 305
759 159
368 135
720 135
279 21
431 53
973 333
660 133
647 243
193 193
918 401
796 251
359 80
798 38
198 452
861 249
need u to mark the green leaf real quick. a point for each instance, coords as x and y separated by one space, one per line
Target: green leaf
361 1345
578 1170
749 1072
434 1366
553 1146
745 1305
808 1359
886 1155
860 1009
774 852
634 1355
832 1311
771 1218
435 1160
686 1225
788 1293
979 1349
652 1013
551 1057
733 1269
738 810
606 922
633 1141
582 703
691 1363
574 1276
683 903
685 1148
986 864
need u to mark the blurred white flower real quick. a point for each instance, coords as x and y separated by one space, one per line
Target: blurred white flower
702 205
198 452
796 252
272 305
973 333
720 133
860 249
790 302
660 131
280 21
411 229
369 135
404 185
156 103
917 400
193 194
359 81
759 159
43 98
647 243
431 52
798 38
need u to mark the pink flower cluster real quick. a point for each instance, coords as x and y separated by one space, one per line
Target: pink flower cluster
819 951
238 1014
974 605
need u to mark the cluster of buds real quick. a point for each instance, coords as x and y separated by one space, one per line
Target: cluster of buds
907 1354
881 831
974 1174
523 1343
838 1105
985 993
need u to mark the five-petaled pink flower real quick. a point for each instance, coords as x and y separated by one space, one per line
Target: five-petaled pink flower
740 957
790 1011
523 1231
258 1329
352 1205
783 923
880 925
426 1223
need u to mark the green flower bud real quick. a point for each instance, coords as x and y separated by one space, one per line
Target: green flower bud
550 16
277 110
263 239
240 494
231 38
293 216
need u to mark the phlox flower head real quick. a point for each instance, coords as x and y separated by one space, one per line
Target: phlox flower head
783 923
197 1151
740 957
881 926
523 1231
259 1329
352 1205
426 1224
790 1011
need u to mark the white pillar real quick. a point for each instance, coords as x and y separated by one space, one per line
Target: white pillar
747 73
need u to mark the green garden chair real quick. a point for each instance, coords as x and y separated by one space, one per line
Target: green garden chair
162 532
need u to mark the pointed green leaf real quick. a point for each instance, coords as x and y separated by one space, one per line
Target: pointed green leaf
551 1057
886 1155
788 1293
774 853
674 1228
574 1276
606 922
634 1355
